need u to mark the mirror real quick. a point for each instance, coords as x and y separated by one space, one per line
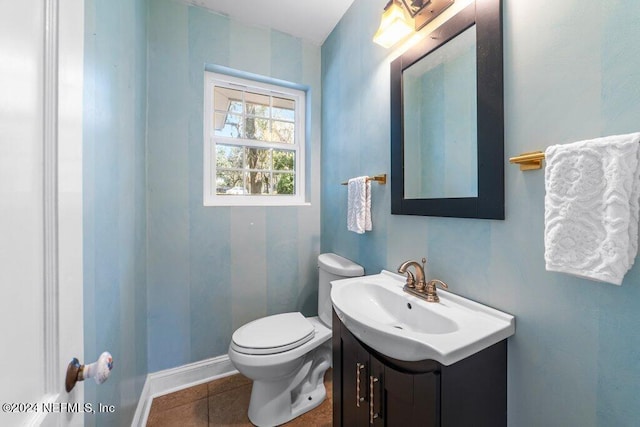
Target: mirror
439 94
447 121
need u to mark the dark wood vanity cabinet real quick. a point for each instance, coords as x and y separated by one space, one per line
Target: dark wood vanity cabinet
372 389
374 393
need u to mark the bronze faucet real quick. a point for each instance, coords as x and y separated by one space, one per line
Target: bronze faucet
411 279
426 291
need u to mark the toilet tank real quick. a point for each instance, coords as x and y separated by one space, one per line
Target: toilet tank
332 267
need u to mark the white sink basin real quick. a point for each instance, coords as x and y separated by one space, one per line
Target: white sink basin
399 325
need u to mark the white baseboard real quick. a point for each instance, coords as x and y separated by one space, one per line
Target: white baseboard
171 380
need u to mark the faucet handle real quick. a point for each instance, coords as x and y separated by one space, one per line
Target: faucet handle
436 282
431 290
411 280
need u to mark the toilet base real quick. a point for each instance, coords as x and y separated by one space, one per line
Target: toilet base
277 402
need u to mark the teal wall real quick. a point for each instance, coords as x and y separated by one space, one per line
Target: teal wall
212 269
572 71
167 281
114 226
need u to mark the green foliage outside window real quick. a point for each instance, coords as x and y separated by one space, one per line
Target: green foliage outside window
246 169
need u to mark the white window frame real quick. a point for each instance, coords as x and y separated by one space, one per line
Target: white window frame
210 140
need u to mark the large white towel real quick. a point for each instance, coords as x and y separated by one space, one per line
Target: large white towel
359 205
592 206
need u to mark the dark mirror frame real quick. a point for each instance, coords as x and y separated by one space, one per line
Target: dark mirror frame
489 204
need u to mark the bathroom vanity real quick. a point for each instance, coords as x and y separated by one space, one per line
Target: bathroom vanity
370 388
400 360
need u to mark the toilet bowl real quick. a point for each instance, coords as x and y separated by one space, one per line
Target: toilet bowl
286 355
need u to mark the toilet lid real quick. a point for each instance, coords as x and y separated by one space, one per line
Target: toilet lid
273 334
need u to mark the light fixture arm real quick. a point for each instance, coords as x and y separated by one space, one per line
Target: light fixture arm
425 11
414 6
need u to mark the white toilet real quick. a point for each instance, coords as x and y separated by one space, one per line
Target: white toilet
286 355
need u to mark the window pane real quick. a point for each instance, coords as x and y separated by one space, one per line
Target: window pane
229 182
229 156
257 104
258 182
283 160
253 131
229 125
258 158
284 109
227 99
282 132
284 183
257 128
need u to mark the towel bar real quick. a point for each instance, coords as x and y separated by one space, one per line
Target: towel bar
529 161
381 179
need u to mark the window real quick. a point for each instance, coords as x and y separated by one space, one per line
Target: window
253 143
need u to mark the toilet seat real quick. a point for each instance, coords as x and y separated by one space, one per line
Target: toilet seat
273 334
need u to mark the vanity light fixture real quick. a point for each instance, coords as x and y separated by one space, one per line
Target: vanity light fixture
395 24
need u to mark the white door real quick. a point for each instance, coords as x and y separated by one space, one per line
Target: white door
40 210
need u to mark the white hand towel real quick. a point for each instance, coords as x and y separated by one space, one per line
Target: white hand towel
592 206
359 205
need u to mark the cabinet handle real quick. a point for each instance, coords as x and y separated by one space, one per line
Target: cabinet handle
359 399
372 415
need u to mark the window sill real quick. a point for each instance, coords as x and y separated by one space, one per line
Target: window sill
242 201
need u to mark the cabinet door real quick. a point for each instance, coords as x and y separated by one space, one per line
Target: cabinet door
402 399
355 381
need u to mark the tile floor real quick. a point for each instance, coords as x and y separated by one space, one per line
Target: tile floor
224 402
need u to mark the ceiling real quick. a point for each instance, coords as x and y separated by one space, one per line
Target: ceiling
311 20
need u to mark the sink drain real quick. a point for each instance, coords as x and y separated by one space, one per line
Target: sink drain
397 327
